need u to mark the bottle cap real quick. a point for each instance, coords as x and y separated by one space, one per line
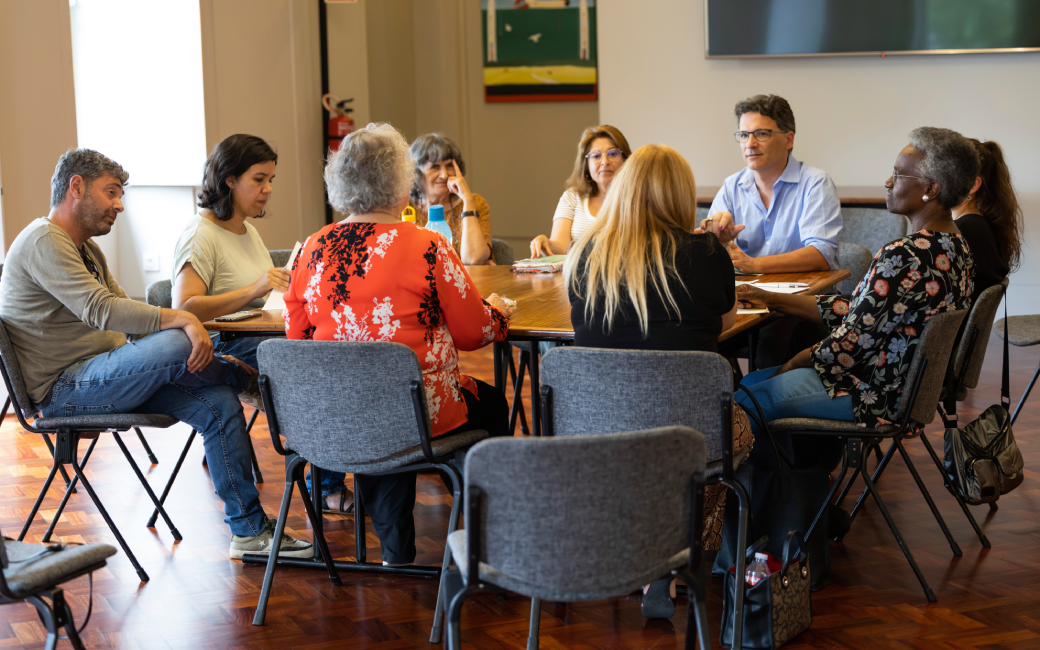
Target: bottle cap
761 557
435 213
408 214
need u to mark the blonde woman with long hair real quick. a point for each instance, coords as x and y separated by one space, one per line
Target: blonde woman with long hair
639 278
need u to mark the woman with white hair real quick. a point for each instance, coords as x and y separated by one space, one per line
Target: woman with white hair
373 277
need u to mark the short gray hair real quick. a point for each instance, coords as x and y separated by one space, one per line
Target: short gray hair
950 160
372 169
86 163
434 148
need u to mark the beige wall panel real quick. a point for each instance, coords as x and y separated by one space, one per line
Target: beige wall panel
37 105
262 76
391 64
348 55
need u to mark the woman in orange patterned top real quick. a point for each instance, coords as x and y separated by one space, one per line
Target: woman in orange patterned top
372 277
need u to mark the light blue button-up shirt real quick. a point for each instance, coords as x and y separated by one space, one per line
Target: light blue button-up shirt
805 212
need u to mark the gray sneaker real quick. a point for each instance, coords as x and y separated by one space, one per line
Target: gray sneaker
261 544
251 395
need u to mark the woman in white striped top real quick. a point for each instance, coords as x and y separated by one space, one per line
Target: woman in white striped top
601 153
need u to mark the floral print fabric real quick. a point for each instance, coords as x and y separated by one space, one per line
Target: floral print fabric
874 332
400 283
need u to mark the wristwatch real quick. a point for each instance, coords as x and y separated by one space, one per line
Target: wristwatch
470 213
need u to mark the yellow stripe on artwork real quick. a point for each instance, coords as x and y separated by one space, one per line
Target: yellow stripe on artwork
539 75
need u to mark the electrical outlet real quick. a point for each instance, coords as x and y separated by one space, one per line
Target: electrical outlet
151 261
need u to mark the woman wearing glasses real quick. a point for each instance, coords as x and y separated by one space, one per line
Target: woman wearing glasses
601 153
440 180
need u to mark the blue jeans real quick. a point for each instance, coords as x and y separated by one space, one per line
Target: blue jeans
151 376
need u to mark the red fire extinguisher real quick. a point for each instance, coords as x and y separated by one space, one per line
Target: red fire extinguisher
340 122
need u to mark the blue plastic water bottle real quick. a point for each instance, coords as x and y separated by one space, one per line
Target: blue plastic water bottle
435 221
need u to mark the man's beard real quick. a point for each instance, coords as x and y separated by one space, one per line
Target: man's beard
92 217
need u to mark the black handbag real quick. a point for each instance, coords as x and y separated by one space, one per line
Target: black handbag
778 608
982 461
792 501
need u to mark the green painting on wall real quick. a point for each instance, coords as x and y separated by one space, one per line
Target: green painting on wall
539 50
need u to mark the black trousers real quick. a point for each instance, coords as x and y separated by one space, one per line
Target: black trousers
390 499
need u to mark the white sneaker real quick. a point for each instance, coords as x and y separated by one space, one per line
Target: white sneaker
261 544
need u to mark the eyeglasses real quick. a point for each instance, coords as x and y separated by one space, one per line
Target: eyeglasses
761 135
896 177
89 263
613 155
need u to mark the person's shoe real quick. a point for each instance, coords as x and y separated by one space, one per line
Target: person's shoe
261 544
657 603
251 395
339 503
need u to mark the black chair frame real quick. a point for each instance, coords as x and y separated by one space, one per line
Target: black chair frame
322 558
727 478
456 591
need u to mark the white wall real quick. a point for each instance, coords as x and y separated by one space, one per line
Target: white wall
853 113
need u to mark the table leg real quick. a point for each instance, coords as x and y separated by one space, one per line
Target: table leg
499 350
752 343
536 398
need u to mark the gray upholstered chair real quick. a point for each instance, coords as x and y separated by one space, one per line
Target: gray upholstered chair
871 227
575 519
502 252
857 259
922 386
587 391
280 257
32 572
339 414
68 431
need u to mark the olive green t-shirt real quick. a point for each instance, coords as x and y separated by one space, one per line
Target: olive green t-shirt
225 261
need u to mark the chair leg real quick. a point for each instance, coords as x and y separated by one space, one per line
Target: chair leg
49 620
173 477
39 500
885 460
61 468
517 407
279 528
455 595
744 505
535 625
697 612
7 405
954 546
257 476
147 488
453 525
1025 395
536 399
827 501
319 533
360 547
929 594
148 450
956 495
64 617
68 492
108 520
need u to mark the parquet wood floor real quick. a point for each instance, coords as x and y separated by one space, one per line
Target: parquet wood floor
197 598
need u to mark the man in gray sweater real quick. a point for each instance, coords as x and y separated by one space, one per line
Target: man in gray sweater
84 347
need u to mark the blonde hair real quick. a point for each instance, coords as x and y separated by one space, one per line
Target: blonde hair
580 179
632 242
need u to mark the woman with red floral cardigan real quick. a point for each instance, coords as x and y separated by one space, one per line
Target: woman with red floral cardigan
858 372
372 277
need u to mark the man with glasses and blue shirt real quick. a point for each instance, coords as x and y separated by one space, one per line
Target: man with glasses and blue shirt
85 348
777 215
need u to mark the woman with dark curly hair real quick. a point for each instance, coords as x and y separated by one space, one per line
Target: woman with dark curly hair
220 264
991 219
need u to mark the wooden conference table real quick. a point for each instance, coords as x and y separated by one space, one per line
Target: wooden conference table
543 314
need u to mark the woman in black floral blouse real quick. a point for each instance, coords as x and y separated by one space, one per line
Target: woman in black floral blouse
858 372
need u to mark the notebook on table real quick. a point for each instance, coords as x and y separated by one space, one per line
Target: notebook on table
549 264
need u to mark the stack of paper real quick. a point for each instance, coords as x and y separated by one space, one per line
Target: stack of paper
781 287
550 264
276 299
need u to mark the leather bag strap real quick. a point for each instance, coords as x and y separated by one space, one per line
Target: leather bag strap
1005 381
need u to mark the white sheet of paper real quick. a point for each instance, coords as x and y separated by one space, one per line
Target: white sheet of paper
780 289
276 299
751 311
740 282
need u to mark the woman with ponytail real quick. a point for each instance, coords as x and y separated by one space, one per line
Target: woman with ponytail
991 219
